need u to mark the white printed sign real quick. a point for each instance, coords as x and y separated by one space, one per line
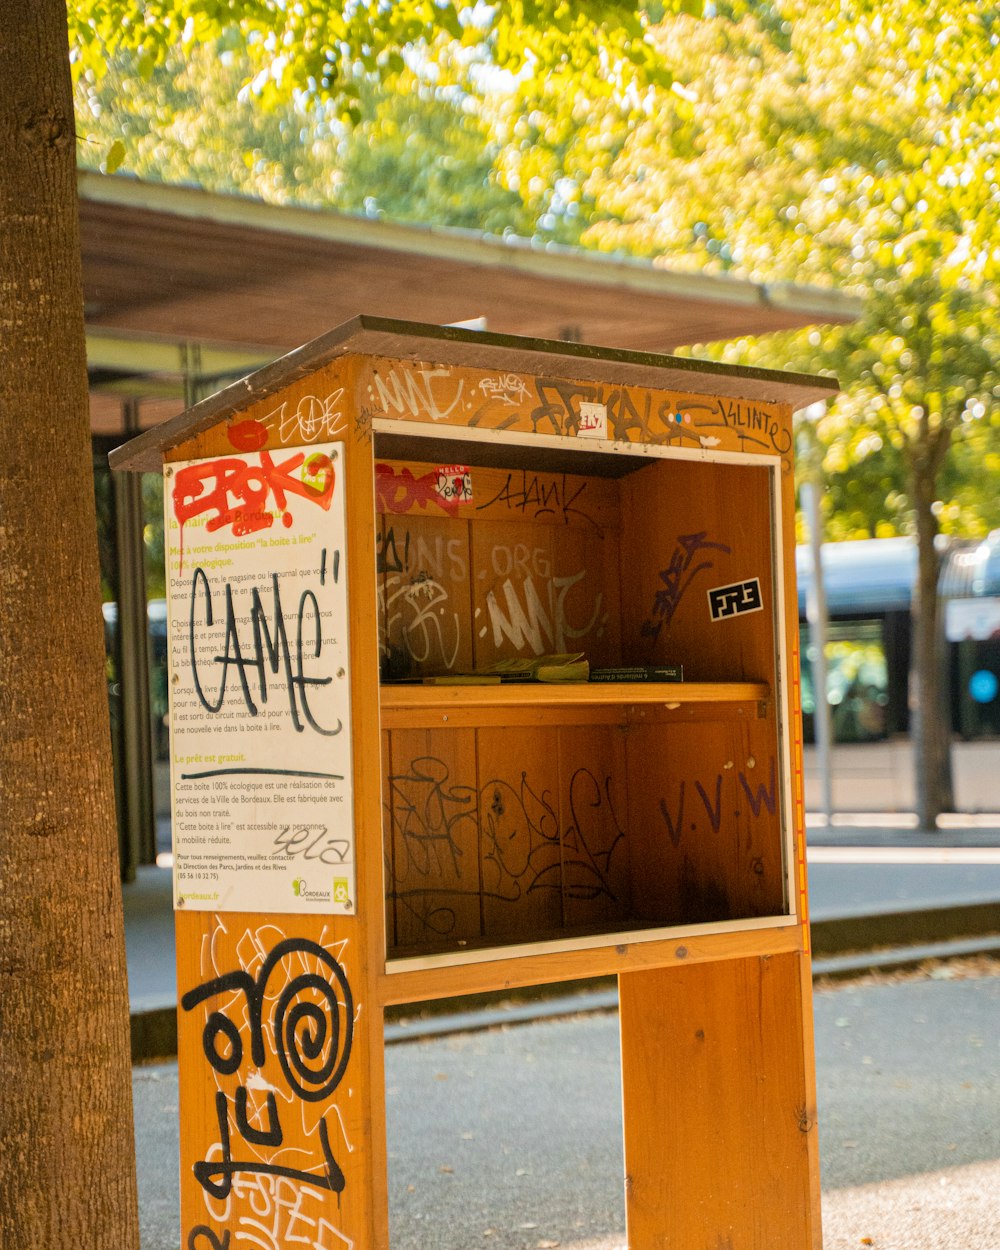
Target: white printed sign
260 737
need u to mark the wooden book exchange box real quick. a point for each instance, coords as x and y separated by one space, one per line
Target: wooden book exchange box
369 810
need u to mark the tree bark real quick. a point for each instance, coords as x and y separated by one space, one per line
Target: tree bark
929 721
67 1158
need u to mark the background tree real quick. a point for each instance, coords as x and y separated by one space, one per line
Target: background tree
854 142
419 150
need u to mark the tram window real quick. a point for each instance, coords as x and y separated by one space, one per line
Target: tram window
857 681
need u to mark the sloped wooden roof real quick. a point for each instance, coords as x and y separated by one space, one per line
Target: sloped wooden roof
445 345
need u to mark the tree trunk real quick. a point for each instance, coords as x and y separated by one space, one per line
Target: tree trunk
929 721
67 1158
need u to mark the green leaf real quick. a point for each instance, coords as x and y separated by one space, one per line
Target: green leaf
115 157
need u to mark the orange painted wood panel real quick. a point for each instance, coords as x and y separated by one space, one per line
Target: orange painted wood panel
274 1031
720 1125
279 1051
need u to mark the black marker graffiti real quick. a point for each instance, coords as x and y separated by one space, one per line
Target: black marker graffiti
311 842
556 406
214 1242
216 1176
311 1020
676 579
270 648
752 425
522 849
387 556
266 772
533 495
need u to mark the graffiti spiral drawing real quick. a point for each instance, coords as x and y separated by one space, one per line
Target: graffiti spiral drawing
277 1034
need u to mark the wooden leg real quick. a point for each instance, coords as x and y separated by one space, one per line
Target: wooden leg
720 1118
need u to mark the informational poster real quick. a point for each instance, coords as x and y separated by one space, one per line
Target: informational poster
260 732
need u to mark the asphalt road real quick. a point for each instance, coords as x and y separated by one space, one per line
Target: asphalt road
511 1139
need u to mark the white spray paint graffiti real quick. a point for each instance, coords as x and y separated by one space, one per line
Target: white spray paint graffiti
421 393
313 418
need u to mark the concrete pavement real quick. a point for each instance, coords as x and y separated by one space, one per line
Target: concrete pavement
909 1127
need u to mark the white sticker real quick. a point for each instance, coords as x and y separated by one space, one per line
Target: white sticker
735 600
593 420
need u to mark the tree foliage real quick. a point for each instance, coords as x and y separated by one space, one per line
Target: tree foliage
852 143
844 142
855 142
590 47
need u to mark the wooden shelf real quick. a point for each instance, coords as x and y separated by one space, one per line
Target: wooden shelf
510 967
408 707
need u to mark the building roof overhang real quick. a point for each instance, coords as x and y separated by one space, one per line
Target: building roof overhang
181 282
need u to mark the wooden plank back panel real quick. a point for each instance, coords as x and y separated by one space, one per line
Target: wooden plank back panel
432 825
539 589
718 1115
521 845
562 500
542 558
593 788
425 606
689 528
704 821
388 842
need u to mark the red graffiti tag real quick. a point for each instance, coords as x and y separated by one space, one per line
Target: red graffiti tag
400 491
235 493
248 435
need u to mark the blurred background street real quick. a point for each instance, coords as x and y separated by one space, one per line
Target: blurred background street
908 1072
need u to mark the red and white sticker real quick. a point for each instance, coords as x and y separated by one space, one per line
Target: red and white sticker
593 420
454 483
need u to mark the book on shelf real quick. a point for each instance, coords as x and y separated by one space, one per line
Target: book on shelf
571 666
639 672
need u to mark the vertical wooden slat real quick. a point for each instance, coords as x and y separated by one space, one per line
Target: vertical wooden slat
426 598
596 839
434 828
519 817
704 821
